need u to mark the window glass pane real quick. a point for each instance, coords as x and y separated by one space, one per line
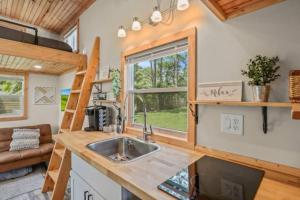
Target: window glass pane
11 96
164 110
71 39
164 72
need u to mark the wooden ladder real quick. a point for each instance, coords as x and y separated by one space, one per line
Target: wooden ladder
57 175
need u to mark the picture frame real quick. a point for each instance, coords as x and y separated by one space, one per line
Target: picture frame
220 91
64 96
44 95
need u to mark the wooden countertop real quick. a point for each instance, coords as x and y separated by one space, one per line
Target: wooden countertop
142 176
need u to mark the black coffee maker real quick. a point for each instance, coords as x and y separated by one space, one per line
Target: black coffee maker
98 117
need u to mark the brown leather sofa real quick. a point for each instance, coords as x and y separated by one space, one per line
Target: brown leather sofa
17 159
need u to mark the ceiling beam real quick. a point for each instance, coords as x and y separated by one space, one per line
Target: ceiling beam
229 9
216 9
19 49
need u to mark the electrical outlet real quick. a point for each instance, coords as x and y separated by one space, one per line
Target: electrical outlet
232 124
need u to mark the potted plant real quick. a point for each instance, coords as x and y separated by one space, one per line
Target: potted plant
262 70
116 84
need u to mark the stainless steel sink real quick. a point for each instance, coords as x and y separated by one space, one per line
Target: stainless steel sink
123 149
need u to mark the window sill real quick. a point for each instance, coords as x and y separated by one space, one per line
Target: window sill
5 119
160 137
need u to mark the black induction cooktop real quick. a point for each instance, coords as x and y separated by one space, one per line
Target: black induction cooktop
214 179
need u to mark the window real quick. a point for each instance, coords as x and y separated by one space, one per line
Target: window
163 73
71 38
13 94
159 76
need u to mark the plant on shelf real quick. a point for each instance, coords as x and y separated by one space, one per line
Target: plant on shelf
116 83
262 70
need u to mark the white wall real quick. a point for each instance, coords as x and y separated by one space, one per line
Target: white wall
223 49
41 31
38 114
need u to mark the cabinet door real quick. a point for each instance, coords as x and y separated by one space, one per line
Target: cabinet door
81 190
103 185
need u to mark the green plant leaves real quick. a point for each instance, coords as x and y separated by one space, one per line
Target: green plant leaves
262 70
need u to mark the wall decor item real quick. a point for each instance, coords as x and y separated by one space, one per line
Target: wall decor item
294 86
44 95
104 72
220 91
116 82
64 95
261 71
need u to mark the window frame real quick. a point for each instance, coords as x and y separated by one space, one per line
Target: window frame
24 116
69 32
169 137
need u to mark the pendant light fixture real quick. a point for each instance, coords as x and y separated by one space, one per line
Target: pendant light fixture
183 4
136 24
121 32
156 16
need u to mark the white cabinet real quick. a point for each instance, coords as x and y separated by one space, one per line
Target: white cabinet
86 180
82 190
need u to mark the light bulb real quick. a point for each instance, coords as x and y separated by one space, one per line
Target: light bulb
121 32
156 16
182 4
38 66
136 25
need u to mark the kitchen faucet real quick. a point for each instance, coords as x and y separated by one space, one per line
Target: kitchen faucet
146 134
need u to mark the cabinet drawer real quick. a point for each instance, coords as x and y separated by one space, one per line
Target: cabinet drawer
106 187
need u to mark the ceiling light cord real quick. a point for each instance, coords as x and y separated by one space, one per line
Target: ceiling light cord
164 17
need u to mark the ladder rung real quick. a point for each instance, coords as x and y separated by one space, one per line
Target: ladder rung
102 81
75 91
81 72
70 110
53 175
64 130
59 152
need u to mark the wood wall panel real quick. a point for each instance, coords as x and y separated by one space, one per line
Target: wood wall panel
227 9
14 63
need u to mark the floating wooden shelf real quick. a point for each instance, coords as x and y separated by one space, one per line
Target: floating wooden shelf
244 103
295 108
103 81
104 101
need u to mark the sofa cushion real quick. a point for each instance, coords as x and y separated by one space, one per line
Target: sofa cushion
25 133
46 148
9 156
29 153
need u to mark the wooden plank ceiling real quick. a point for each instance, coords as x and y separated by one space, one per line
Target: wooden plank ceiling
227 9
19 64
53 15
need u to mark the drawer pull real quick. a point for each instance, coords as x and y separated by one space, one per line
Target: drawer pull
90 197
85 193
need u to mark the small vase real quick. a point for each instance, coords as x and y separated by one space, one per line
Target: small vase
261 93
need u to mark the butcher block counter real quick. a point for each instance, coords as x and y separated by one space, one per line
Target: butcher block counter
142 176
